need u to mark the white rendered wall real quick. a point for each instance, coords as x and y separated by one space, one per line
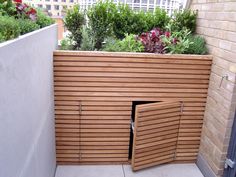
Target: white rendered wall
27 143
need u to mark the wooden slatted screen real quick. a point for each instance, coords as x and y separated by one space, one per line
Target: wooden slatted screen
155 134
92 132
106 84
68 131
105 131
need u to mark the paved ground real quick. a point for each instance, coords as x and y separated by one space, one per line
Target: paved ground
170 170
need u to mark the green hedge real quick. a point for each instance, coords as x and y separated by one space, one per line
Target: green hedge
10 28
113 27
18 18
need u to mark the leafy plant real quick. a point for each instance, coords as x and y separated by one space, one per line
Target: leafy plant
177 42
18 18
10 28
185 19
27 26
160 19
87 43
43 19
111 44
122 21
152 41
25 11
74 21
129 44
66 44
7 7
198 46
101 18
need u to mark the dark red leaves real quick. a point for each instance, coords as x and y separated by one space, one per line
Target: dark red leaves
167 34
25 10
18 1
175 40
152 41
31 11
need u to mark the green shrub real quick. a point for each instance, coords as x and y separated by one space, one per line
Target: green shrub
185 19
198 46
42 19
101 17
122 21
160 19
140 22
74 21
87 43
10 28
27 26
131 22
128 44
66 44
7 7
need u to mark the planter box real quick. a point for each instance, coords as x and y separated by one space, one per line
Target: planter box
26 105
97 93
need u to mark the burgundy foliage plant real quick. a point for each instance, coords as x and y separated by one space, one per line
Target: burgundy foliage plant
152 41
24 10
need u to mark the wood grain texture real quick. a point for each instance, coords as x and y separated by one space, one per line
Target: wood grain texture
94 92
155 147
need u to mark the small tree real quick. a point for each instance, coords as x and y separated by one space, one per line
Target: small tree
101 18
74 21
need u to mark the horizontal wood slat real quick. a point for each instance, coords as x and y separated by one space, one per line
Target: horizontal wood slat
128 65
127 79
94 92
131 70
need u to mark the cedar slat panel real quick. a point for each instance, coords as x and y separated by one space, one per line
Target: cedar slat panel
105 84
72 141
155 156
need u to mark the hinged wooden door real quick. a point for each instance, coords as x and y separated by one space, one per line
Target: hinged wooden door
155 134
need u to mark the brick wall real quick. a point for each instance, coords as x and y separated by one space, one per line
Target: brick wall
217 23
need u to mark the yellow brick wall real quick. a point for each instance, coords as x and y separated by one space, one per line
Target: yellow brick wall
217 23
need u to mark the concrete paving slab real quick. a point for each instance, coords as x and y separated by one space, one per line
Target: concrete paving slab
90 171
168 170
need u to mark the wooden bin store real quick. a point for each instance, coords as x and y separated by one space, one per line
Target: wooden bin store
117 108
